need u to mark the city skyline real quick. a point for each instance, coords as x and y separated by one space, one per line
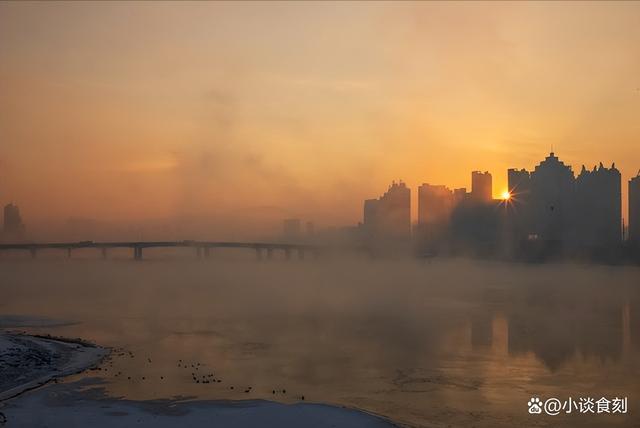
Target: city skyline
204 109
549 212
481 190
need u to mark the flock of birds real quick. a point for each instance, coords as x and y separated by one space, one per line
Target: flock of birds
196 375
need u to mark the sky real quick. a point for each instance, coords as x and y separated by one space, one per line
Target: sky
234 116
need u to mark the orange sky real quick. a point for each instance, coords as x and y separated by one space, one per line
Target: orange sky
252 112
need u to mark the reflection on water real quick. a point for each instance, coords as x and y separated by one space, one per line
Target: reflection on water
456 341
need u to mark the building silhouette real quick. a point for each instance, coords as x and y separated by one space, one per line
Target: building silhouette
634 210
459 195
13 227
598 207
474 227
551 200
552 209
542 203
387 220
435 204
481 186
549 212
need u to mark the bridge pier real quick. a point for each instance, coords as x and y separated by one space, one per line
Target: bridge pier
137 253
258 254
199 252
69 252
287 253
104 252
269 253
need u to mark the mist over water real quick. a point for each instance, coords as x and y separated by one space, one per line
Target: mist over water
458 340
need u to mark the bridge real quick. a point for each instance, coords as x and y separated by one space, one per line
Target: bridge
202 248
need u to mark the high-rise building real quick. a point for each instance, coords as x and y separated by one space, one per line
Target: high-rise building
552 205
434 204
519 184
394 212
634 209
481 186
459 195
388 218
552 186
13 227
598 207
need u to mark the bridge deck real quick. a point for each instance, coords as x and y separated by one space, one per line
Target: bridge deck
202 247
157 244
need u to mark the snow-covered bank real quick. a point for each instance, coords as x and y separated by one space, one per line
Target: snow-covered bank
27 362
85 403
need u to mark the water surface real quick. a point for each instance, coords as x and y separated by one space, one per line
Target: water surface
427 344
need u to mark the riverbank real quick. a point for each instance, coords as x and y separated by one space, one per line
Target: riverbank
29 361
85 403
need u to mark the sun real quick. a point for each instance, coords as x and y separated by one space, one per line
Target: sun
505 195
